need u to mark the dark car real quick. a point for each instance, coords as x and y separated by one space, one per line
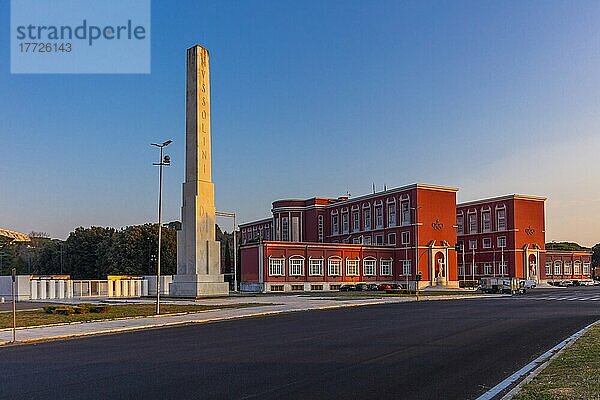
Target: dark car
372 287
361 287
347 288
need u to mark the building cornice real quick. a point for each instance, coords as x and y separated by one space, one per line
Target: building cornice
501 198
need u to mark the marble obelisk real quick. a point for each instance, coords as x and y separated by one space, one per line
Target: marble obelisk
198 253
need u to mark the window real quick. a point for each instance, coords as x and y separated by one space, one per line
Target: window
297 288
367 218
355 221
474 270
472 244
487 269
501 219
406 267
568 269
369 267
548 268
285 233
392 214
557 268
486 221
405 210
392 238
379 240
487 243
315 266
503 268
357 240
577 268
334 224
386 267
276 288
472 223
379 216
405 237
460 223
321 228
277 230
334 267
501 241
267 233
367 239
345 222
295 235
316 287
461 270
352 267
296 266
586 268
276 266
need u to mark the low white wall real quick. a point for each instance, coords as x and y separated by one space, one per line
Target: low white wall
23 290
165 284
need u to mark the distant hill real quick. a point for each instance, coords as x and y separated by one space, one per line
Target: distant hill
566 246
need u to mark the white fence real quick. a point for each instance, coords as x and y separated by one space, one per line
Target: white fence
41 288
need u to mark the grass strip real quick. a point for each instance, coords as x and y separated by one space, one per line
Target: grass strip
28 318
575 374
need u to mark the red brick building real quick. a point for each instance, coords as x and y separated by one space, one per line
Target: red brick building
390 236
381 237
567 265
502 236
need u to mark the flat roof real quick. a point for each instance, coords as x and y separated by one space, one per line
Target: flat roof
500 198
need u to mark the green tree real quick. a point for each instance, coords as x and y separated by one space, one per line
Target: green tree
596 255
89 252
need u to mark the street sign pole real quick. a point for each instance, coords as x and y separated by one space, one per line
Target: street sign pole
14 301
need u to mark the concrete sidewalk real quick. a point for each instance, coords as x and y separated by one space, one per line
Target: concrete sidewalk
273 305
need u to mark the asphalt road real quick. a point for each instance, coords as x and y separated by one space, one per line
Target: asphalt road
428 350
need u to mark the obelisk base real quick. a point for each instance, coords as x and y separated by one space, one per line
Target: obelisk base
205 279
195 286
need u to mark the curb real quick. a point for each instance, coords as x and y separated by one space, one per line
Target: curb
215 319
531 370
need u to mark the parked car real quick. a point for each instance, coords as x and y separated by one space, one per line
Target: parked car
387 286
586 282
565 283
347 288
528 284
361 287
372 287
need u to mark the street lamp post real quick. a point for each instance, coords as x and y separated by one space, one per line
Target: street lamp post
163 161
415 224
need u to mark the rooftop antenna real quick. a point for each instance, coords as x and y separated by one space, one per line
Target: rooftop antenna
348 193
373 187
384 187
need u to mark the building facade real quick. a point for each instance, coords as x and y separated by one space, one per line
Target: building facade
567 265
391 236
501 237
381 237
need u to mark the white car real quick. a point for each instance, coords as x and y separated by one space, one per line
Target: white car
587 282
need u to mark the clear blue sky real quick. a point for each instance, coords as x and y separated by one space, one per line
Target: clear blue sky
321 98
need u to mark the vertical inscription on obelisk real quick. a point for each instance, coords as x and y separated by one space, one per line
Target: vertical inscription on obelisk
204 172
